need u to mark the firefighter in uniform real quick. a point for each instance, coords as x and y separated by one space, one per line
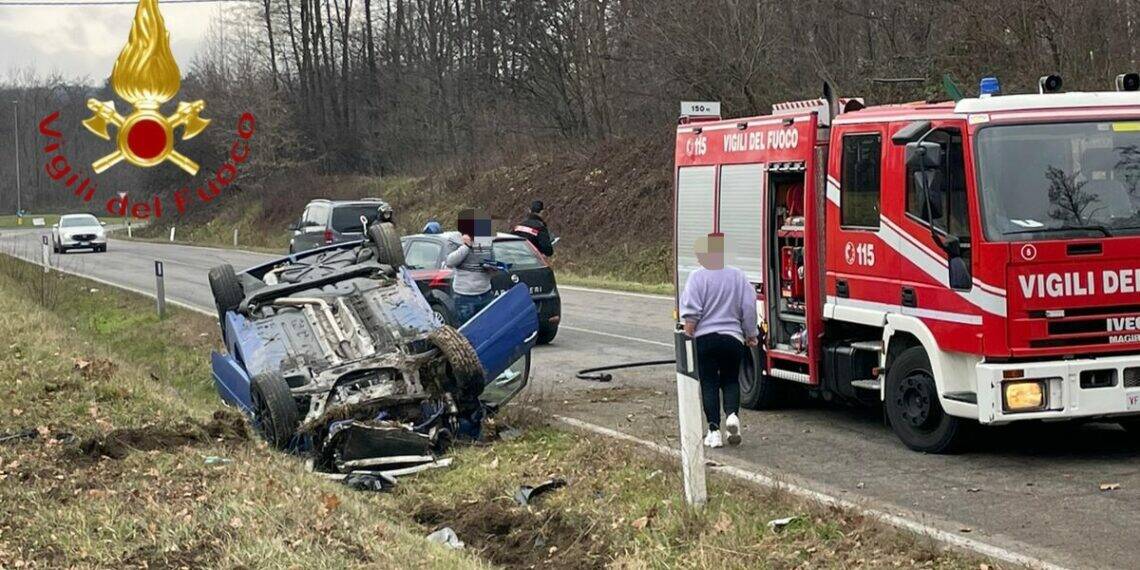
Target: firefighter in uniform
534 229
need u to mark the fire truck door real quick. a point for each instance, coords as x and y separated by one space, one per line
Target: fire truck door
742 221
696 216
862 264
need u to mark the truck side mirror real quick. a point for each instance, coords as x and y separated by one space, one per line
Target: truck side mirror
959 273
923 155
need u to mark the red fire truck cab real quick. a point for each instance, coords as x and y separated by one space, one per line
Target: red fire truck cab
962 262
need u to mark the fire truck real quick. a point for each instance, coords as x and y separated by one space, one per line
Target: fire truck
973 261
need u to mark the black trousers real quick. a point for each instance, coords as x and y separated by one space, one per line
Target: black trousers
718 366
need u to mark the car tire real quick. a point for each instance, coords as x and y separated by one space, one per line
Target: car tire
913 408
546 333
386 241
462 363
1131 425
227 290
444 313
274 413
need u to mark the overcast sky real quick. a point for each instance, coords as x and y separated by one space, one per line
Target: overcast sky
83 42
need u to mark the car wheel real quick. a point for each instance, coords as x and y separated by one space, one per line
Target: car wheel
386 241
274 410
227 290
462 363
547 332
445 314
913 408
1131 425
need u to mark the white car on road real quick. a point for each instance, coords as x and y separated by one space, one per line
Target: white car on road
78 231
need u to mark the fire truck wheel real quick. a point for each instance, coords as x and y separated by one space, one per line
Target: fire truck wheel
762 392
913 408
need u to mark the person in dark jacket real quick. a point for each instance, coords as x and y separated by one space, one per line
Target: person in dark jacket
534 229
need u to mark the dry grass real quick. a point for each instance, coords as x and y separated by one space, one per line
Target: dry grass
98 362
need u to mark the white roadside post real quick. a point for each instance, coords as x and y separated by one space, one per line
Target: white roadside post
160 290
689 418
235 237
126 218
171 233
45 254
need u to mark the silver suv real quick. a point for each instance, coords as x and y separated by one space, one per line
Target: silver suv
325 222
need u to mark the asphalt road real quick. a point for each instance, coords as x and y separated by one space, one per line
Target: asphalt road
1033 489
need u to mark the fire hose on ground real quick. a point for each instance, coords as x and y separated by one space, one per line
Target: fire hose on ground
598 374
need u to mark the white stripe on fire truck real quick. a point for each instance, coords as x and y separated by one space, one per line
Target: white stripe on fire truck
990 299
948 316
935 266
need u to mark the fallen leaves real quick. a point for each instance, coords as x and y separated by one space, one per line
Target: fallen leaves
329 503
723 523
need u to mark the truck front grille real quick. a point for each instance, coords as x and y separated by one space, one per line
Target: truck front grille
1089 326
1132 377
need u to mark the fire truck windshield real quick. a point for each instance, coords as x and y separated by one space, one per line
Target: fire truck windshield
1060 180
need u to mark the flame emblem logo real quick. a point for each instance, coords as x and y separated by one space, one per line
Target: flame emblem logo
146 76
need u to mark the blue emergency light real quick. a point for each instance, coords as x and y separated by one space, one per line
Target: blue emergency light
990 86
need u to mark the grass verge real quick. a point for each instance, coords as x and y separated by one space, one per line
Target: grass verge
94 374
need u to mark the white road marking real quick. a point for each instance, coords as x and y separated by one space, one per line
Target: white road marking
621 336
947 538
615 292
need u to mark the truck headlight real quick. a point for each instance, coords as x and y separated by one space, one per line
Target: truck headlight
1023 396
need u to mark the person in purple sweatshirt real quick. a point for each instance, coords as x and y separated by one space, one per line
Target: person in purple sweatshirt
718 306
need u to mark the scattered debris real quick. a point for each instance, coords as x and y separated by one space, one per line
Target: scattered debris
966 529
28 433
447 537
1109 486
216 460
778 525
510 434
525 494
973 490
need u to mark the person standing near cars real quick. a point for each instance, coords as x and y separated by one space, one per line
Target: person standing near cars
718 307
534 229
471 286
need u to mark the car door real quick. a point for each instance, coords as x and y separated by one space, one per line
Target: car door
503 335
526 266
313 226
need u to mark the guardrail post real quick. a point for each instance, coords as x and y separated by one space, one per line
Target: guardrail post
690 419
45 254
160 290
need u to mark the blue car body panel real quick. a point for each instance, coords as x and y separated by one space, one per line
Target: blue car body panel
501 334
503 331
231 381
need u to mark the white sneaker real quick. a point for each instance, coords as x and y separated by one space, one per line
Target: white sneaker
713 439
732 426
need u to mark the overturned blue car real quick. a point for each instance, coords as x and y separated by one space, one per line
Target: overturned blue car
334 352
